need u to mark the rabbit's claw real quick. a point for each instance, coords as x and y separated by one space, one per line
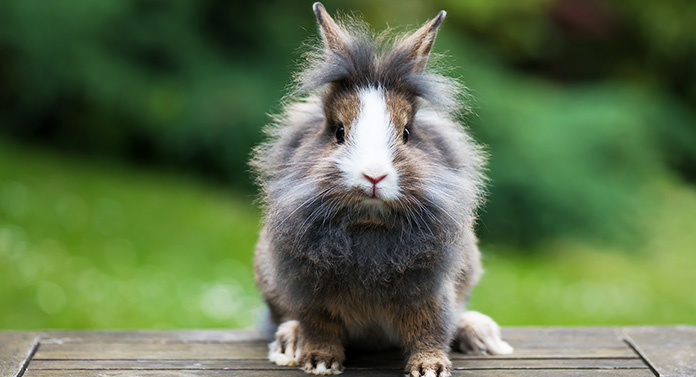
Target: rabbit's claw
429 364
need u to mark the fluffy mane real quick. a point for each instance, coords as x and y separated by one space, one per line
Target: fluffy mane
370 187
378 60
366 59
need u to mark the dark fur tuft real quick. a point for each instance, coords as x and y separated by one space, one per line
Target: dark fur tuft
376 60
342 271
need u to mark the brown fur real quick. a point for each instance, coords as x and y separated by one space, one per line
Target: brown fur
341 105
332 34
402 108
336 274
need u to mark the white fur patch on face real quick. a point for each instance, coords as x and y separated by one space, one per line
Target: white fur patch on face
368 163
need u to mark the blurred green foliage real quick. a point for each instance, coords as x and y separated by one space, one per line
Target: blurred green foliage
581 102
85 245
586 108
89 245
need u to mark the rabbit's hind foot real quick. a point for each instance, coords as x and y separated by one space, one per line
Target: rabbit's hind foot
478 333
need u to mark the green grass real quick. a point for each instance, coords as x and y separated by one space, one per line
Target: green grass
566 282
88 244
97 245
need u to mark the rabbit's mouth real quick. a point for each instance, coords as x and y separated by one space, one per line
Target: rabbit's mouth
373 210
369 223
373 202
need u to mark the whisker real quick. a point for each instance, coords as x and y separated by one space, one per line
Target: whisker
309 200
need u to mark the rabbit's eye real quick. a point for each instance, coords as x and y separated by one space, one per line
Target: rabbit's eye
340 133
406 135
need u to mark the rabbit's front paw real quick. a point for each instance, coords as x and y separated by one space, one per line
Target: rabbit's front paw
285 350
323 360
478 333
428 364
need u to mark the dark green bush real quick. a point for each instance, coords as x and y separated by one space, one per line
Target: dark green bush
583 104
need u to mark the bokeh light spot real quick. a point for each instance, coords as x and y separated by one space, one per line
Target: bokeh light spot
50 297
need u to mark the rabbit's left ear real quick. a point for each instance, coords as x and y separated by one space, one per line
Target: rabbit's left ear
331 33
417 46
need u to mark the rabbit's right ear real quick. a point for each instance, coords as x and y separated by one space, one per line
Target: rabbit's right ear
332 35
418 45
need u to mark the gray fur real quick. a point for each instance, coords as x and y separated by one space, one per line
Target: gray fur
375 60
316 253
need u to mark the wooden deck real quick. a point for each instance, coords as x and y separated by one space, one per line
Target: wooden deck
539 352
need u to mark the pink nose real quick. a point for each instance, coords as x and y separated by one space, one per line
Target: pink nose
374 180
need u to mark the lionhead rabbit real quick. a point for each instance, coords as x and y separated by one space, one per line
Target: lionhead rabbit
370 189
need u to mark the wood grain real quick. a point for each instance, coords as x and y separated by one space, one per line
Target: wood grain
396 364
16 349
259 350
347 373
149 336
152 351
539 351
671 351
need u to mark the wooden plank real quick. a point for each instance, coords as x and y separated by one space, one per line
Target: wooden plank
52 349
203 373
518 335
551 364
16 349
354 365
510 363
543 352
622 350
347 373
563 337
598 332
144 336
548 343
562 334
523 353
553 373
557 352
152 351
671 351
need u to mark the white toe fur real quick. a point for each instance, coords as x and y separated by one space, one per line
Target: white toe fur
286 340
478 333
323 370
281 359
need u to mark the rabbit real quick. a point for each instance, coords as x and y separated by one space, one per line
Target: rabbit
370 188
